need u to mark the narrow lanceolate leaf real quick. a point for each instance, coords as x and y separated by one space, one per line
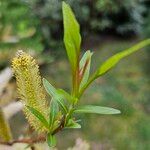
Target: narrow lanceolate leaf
54 109
49 88
96 110
112 61
51 140
73 124
66 95
38 115
72 38
85 64
54 94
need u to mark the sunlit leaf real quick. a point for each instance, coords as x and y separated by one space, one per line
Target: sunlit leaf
96 110
112 61
38 115
85 64
72 38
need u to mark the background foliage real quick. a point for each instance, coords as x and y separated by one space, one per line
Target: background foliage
41 21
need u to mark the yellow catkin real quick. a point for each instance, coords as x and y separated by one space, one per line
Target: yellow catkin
5 132
30 87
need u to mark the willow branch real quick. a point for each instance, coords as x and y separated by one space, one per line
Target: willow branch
27 141
41 138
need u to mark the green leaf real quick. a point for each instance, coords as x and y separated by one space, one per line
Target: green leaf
61 103
51 140
96 109
66 95
85 64
72 38
54 94
49 88
112 61
38 115
54 109
73 124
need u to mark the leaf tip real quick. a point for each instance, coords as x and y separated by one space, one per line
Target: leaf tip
64 5
115 111
43 79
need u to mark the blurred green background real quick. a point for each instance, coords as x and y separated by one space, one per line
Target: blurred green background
107 27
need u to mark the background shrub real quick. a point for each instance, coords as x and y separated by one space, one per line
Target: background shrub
41 20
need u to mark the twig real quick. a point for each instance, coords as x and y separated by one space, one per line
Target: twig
41 138
27 141
60 127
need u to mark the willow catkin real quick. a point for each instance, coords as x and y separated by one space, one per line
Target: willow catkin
30 88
